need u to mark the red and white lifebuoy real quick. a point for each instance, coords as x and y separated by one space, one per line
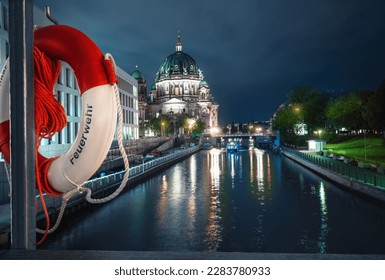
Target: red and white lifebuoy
4 111
95 76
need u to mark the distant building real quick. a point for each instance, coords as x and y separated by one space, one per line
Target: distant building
179 89
128 92
142 95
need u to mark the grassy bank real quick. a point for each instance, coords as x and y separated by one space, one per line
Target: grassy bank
369 149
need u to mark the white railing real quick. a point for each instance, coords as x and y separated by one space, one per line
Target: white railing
115 178
98 183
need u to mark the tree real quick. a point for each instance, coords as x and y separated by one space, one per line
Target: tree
347 111
312 104
160 125
191 124
286 119
198 127
374 113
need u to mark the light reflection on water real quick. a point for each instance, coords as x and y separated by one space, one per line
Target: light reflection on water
214 227
324 220
214 201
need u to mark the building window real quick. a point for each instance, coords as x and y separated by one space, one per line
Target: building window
6 49
68 132
68 104
58 95
5 18
68 77
59 137
76 128
60 78
76 106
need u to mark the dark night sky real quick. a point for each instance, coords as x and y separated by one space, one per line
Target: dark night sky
251 52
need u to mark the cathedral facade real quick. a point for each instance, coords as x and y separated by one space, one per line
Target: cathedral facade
179 89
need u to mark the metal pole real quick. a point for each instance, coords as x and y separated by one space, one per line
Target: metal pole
23 221
365 143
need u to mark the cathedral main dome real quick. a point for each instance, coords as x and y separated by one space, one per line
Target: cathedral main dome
179 65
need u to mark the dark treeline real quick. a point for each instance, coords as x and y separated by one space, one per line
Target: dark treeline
308 111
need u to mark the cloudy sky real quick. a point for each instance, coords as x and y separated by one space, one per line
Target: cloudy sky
251 52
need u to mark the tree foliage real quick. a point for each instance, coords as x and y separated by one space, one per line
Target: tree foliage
348 110
199 126
354 111
161 125
374 112
286 119
312 105
305 106
189 124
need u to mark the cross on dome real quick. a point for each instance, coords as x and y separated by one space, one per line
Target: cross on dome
178 46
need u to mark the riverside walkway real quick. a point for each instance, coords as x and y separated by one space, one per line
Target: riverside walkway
361 180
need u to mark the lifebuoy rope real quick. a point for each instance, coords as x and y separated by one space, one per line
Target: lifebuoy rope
50 118
80 188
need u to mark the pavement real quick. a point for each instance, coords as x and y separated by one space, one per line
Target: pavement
171 255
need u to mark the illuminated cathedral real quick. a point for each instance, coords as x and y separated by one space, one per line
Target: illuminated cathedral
179 89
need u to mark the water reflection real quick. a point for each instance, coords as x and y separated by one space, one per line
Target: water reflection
268 170
251 158
162 205
192 208
260 176
214 227
322 241
215 169
253 201
232 157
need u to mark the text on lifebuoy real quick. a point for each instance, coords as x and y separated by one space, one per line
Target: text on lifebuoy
83 140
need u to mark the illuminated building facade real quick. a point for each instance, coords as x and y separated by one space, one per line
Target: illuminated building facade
179 88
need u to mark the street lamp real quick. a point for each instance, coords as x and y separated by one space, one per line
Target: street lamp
214 130
162 130
365 143
191 123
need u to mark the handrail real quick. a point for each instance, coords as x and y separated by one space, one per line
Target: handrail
370 178
141 168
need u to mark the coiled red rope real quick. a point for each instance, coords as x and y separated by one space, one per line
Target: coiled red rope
50 118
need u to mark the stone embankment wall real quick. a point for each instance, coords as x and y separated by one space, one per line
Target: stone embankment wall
167 145
134 150
347 182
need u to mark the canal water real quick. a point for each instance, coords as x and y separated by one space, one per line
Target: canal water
252 201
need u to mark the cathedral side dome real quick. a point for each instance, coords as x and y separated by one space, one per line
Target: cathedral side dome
203 83
136 74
